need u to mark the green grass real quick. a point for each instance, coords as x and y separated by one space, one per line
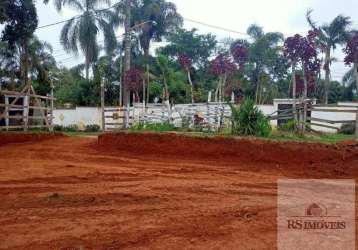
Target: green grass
79 133
276 135
324 138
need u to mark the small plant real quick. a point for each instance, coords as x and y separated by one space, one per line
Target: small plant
288 127
347 129
58 128
92 128
71 128
249 120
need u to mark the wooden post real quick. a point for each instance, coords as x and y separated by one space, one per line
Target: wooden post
25 110
52 107
209 96
7 112
103 106
357 125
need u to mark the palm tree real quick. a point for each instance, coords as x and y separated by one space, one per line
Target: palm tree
81 33
330 36
39 61
263 51
155 19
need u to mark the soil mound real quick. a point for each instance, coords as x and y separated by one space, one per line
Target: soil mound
247 150
7 138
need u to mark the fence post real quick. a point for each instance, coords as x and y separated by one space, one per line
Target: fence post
52 107
357 125
102 106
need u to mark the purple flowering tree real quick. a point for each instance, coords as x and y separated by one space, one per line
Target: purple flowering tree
302 51
223 68
351 52
240 53
292 51
186 62
134 80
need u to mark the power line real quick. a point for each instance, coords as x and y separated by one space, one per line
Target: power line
76 17
216 27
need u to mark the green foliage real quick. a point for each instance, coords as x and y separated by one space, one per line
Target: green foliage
70 128
154 127
199 48
249 121
82 33
348 129
164 19
21 22
288 127
3 9
92 128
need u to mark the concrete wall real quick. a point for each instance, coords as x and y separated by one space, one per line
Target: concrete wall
80 116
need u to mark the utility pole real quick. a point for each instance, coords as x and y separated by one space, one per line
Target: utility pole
127 60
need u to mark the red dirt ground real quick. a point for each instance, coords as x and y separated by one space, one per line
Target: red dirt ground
135 191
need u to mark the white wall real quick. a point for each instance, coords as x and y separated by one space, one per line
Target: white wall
80 116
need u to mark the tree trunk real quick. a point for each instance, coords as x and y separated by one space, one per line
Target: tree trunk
146 55
87 70
167 99
25 62
257 88
127 59
356 73
294 107
191 87
304 97
327 80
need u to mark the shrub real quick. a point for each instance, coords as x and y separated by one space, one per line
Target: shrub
288 127
92 128
71 128
58 128
348 129
155 127
249 120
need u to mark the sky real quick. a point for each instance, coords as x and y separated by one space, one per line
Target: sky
285 16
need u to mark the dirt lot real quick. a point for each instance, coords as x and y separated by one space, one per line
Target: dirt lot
152 191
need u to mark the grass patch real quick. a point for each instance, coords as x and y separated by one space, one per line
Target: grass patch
80 134
324 138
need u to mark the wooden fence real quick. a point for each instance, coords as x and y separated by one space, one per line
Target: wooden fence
43 105
288 114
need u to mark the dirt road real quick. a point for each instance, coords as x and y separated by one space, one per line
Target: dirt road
73 193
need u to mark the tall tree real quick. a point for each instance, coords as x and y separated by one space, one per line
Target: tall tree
186 62
264 52
166 74
223 68
40 61
155 19
330 36
351 52
20 25
3 7
82 33
292 51
199 48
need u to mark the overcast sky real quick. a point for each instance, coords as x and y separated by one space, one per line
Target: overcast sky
286 16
